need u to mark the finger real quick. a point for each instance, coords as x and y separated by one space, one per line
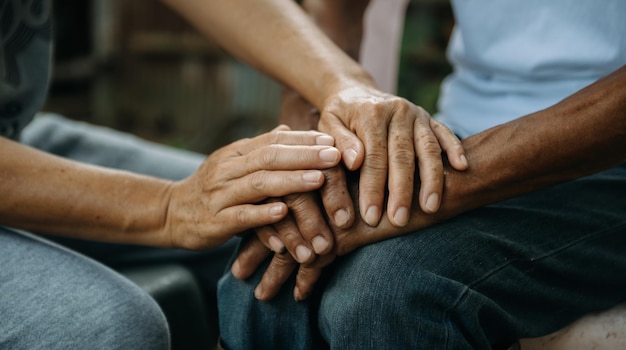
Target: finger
336 198
349 144
269 237
244 217
430 166
260 185
373 174
278 271
250 256
296 245
450 144
306 210
288 157
401 168
283 136
308 275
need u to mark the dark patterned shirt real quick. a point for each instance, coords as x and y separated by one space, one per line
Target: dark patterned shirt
25 51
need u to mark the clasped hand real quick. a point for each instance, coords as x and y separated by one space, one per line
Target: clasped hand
382 137
225 195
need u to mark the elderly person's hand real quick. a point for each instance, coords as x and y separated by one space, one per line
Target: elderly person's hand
253 252
383 135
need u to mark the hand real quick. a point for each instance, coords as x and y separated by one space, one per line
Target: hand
346 240
383 134
305 233
223 196
254 252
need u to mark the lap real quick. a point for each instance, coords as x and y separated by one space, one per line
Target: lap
542 260
522 267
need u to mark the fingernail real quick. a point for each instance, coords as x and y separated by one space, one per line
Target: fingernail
303 253
349 157
296 294
276 244
319 244
258 292
330 155
372 215
432 203
325 140
464 160
341 217
312 176
235 269
276 210
401 216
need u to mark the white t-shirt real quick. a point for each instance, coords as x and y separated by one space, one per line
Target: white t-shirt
514 57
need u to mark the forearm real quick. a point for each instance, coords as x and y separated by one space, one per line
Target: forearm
278 38
581 135
44 193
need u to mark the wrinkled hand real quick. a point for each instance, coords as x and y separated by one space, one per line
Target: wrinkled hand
382 135
346 240
223 197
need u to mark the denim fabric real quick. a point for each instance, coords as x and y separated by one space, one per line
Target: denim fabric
520 268
53 298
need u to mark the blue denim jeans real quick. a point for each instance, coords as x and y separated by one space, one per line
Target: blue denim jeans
524 267
54 298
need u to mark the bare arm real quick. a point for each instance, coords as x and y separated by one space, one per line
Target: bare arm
276 37
379 133
583 134
45 193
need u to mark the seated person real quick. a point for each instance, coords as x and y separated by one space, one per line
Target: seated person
526 241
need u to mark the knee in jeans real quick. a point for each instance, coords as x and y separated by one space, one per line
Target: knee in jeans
129 320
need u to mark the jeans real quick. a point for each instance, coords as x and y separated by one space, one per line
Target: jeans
520 268
52 297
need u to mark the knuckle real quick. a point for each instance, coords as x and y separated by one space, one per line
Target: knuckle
282 261
403 156
431 147
258 181
242 217
270 157
299 201
376 161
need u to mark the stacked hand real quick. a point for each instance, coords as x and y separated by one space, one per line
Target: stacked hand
225 195
379 136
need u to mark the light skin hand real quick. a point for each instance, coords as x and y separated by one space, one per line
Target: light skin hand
223 197
382 135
